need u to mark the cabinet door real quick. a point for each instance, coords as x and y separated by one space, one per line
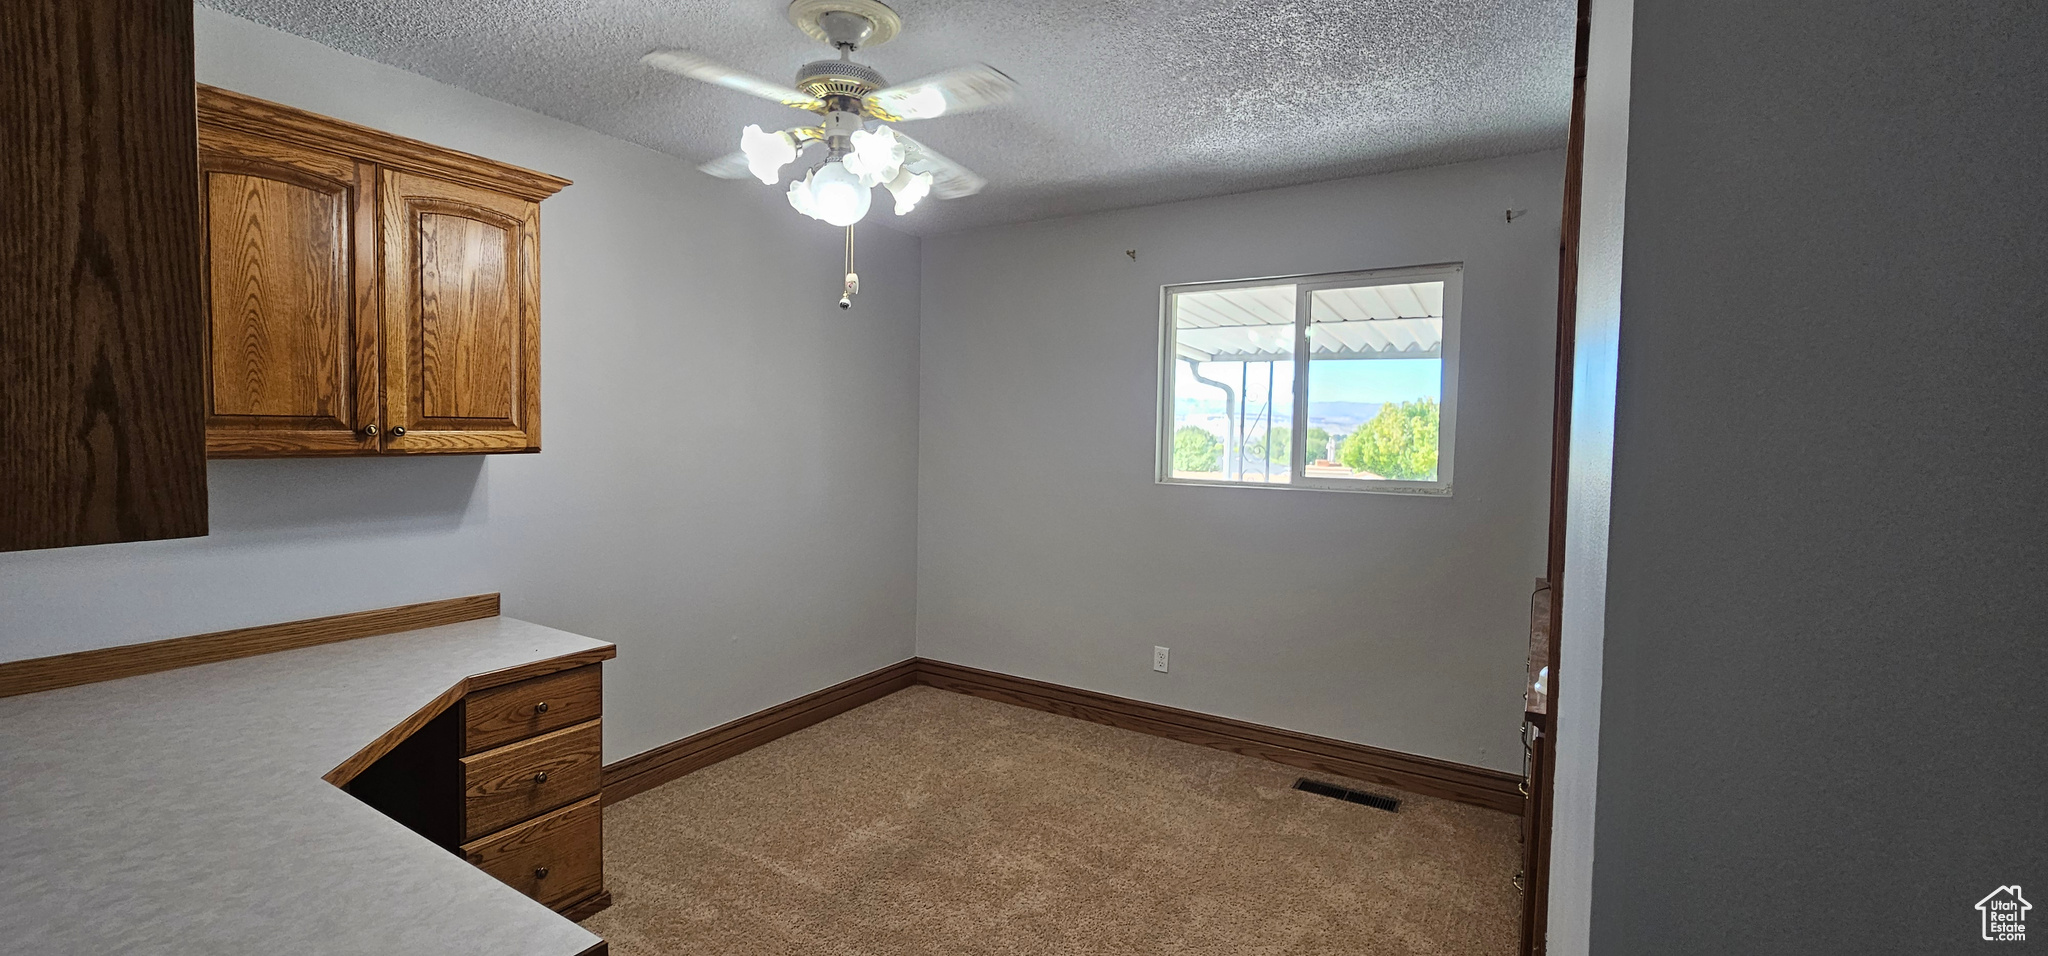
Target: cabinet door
461 317
292 333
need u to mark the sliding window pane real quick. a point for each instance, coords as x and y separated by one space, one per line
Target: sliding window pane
1375 382
1232 401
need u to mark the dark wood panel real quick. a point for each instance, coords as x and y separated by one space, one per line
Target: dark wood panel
128 660
230 110
655 767
1425 775
1542 784
102 347
532 707
517 781
557 858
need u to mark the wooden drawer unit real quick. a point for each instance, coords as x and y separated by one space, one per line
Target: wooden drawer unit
510 778
556 859
531 707
521 780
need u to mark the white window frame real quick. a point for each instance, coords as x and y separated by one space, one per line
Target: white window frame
1450 274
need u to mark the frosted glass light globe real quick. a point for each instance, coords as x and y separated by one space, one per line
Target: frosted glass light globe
767 152
838 196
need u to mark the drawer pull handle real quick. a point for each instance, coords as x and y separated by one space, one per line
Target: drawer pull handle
541 708
540 873
541 777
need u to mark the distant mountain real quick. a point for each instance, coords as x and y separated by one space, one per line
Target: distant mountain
1350 414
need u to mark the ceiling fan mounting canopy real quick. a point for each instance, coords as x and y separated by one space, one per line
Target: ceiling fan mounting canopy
846 24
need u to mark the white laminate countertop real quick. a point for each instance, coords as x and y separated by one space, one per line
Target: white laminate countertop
184 811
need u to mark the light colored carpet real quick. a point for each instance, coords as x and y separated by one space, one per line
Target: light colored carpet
930 823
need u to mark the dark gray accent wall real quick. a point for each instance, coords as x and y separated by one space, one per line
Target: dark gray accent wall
1826 666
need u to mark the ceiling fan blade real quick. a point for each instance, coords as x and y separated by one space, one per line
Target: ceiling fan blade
698 67
729 166
950 180
960 90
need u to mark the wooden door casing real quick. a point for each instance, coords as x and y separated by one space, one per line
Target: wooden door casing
291 324
461 317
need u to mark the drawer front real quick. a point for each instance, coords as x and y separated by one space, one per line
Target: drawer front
520 781
531 707
557 859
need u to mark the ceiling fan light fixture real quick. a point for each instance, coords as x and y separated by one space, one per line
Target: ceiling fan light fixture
909 188
838 196
800 197
767 152
877 156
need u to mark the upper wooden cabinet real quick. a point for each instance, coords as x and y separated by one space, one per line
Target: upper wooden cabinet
366 294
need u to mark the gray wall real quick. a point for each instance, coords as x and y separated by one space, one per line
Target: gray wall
728 486
1046 550
1826 664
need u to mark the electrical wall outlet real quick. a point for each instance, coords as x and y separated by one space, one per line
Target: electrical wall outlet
1159 659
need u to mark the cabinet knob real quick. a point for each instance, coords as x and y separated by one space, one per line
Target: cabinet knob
540 873
398 431
369 431
541 777
541 708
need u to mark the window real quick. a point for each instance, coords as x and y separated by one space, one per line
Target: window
1334 382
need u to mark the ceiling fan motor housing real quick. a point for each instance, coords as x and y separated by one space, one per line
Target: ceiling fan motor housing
826 79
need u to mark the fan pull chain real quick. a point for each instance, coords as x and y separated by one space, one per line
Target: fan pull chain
852 278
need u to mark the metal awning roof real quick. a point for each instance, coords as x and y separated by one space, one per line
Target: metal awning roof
1256 323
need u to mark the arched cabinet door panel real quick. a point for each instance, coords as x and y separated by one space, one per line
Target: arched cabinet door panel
366 294
461 317
292 363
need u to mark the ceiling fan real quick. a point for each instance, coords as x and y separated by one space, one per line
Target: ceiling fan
854 105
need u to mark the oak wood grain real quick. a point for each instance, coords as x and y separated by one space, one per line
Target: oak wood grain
531 707
521 780
461 317
556 858
102 347
226 109
280 300
129 660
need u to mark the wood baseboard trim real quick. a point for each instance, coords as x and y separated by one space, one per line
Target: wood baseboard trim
1478 786
130 660
588 907
671 760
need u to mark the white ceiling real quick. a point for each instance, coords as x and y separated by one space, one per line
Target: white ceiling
1125 102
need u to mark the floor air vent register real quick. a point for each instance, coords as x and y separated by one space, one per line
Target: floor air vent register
1373 800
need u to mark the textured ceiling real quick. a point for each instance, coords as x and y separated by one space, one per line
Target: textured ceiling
1125 102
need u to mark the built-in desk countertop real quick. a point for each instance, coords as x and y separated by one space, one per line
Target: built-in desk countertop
185 811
